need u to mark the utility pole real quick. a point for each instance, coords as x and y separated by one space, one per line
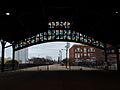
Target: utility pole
66 56
67 46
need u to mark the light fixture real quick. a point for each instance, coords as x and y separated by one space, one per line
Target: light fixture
116 12
7 14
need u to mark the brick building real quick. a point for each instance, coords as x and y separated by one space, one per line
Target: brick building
85 53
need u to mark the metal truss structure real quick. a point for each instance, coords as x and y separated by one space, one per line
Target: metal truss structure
112 50
59 31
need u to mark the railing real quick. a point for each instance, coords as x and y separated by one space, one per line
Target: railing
8 67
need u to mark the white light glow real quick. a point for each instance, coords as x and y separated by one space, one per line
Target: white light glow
116 12
7 13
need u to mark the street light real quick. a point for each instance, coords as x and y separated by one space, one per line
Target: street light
67 46
60 55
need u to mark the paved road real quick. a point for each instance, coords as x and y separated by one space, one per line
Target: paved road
56 67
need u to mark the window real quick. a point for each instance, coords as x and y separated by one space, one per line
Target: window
49 37
77 36
91 49
81 37
91 54
88 54
57 32
75 55
89 40
49 25
85 50
78 49
37 38
53 24
75 50
78 55
85 38
61 32
58 24
85 54
81 54
81 50
119 50
73 35
112 51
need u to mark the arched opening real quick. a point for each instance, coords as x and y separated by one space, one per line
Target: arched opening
52 56
81 55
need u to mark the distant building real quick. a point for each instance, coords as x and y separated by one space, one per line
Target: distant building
22 55
86 53
49 57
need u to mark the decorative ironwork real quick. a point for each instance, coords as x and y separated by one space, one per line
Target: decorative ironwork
59 31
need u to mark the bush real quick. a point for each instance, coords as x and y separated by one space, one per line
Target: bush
10 62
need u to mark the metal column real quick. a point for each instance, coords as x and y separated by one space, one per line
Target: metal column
118 62
106 59
66 57
3 51
13 57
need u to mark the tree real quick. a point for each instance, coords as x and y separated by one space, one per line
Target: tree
64 60
10 62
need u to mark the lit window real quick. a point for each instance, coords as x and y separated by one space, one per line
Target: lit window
49 25
53 32
69 37
61 32
49 37
64 24
85 39
68 25
65 37
61 24
49 32
77 36
81 37
45 37
89 40
61 37
65 32
101 45
57 32
37 38
53 37
73 35
45 33
57 24
53 24
69 32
